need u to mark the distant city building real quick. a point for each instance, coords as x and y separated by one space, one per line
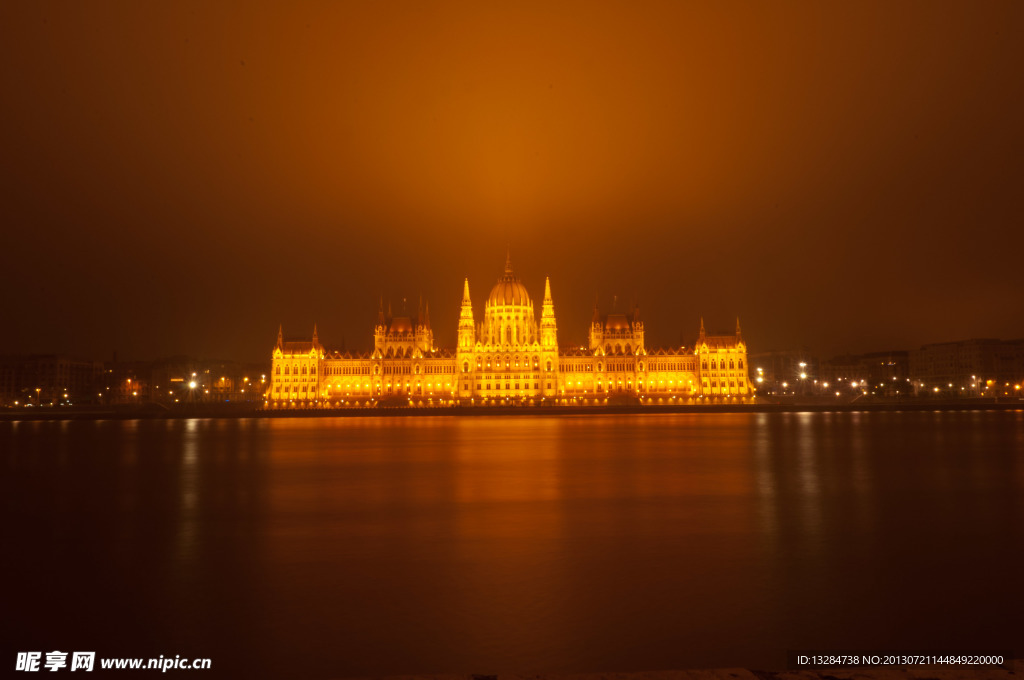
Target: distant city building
56 380
979 366
879 373
508 357
784 371
47 379
177 380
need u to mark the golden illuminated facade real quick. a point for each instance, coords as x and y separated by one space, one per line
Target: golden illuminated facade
508 358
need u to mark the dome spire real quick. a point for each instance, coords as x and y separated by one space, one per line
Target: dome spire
508 290
508 260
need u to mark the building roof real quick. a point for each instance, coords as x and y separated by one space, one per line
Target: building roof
297 346
401 324
348 355
721 341
668 352
616 322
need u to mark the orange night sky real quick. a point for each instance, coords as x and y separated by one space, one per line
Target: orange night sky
183 177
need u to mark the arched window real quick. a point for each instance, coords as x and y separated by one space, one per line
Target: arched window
465 367
741 363
629 349
312 370
549 364
704 364
277 370
731 364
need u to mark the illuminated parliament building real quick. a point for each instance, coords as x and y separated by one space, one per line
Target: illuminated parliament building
508 358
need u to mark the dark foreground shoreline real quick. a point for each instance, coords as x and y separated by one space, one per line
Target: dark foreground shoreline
156 412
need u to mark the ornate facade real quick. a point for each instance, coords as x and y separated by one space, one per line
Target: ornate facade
508 358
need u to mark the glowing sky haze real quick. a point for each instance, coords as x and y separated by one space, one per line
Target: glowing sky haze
183 177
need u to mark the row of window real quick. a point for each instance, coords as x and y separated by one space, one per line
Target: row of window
667 366
508 359
348 370
497 386
724 384
404 370
569 367
715 365
289 370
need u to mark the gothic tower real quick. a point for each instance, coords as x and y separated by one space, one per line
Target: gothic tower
548 344
464 363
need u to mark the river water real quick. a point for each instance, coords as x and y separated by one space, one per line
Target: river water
375 546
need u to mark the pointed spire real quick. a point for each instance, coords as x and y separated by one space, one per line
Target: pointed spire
548 313
508 260
597 314
315 340
738 333
465 292
702 327
280 335
380 312
426 315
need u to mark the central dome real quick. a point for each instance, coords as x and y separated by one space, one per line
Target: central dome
508 290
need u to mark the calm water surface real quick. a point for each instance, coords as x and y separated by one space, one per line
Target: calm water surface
353 547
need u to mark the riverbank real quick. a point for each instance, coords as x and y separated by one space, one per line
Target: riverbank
153 411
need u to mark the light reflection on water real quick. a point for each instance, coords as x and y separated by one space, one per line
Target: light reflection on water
370 546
